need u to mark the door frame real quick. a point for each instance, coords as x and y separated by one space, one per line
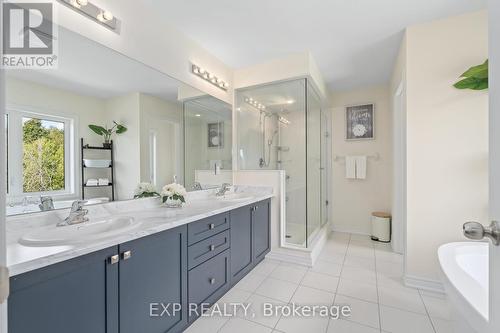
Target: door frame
3 242
399 168
494 156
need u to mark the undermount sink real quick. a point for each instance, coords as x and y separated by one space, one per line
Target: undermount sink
234 197
77 233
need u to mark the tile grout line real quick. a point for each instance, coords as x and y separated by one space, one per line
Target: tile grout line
378 294
426 311
338 282
252 294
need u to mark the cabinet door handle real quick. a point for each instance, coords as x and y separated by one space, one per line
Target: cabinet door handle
127 255
211 226
114 259
212 281
212 247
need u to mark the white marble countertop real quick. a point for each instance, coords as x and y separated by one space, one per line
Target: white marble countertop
154 218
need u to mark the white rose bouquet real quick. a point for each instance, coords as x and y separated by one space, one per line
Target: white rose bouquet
173 192
145 190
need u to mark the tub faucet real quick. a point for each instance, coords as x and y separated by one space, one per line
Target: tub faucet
76 215
197 186
46 203
223 189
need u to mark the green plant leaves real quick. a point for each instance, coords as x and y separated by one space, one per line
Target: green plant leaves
99 130
104 131
472 83
120 129
475 78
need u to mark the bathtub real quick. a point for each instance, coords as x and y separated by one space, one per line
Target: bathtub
465 273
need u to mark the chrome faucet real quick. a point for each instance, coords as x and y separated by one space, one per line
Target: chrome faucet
46 203
197 186
76 215
223 189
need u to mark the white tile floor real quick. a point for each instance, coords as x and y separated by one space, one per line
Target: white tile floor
351 270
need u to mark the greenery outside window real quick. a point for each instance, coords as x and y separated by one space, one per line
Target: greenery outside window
39 154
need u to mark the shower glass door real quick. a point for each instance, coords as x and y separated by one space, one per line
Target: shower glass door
272 136
313 147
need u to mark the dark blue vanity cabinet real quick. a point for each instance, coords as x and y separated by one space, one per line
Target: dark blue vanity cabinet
77 296
110 291
153 283
250 237
145 285
208 262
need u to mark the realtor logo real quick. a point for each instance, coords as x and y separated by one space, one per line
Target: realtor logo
29 37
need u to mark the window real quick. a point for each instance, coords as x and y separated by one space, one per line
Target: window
39 154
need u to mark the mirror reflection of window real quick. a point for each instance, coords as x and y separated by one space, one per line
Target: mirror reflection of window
37 159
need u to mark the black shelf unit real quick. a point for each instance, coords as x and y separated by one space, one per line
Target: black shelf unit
84 147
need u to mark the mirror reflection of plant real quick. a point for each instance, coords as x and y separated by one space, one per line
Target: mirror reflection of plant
145 190
475 78
108 132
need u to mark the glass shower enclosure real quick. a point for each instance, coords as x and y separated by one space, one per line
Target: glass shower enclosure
282 126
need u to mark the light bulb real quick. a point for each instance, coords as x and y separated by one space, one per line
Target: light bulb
82 2
107 15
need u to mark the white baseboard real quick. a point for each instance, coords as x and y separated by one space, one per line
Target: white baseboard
347 231
424 284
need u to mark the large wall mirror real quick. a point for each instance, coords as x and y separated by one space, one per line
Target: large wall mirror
52 153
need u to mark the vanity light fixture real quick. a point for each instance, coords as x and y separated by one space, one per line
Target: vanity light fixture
255 104
97 14
209 77
291 101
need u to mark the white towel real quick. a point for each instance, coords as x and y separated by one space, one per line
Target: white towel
360 167
92 182
350 167
103 181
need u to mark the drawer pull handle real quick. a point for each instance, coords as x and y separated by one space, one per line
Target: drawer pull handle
211 226
212 281
127 255
114 259
212 247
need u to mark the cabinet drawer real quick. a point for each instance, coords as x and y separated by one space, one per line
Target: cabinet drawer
209 279
204 250
205 228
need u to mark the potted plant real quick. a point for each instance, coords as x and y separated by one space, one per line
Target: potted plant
173 195
108 132
145 190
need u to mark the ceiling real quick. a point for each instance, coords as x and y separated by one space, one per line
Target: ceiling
355 42
88 68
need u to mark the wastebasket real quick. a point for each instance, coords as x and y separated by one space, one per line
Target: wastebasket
381 227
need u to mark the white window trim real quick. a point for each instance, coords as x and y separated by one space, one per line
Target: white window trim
16 113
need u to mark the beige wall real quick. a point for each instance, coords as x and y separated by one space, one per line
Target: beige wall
447 134
165 119
125 110
353 201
